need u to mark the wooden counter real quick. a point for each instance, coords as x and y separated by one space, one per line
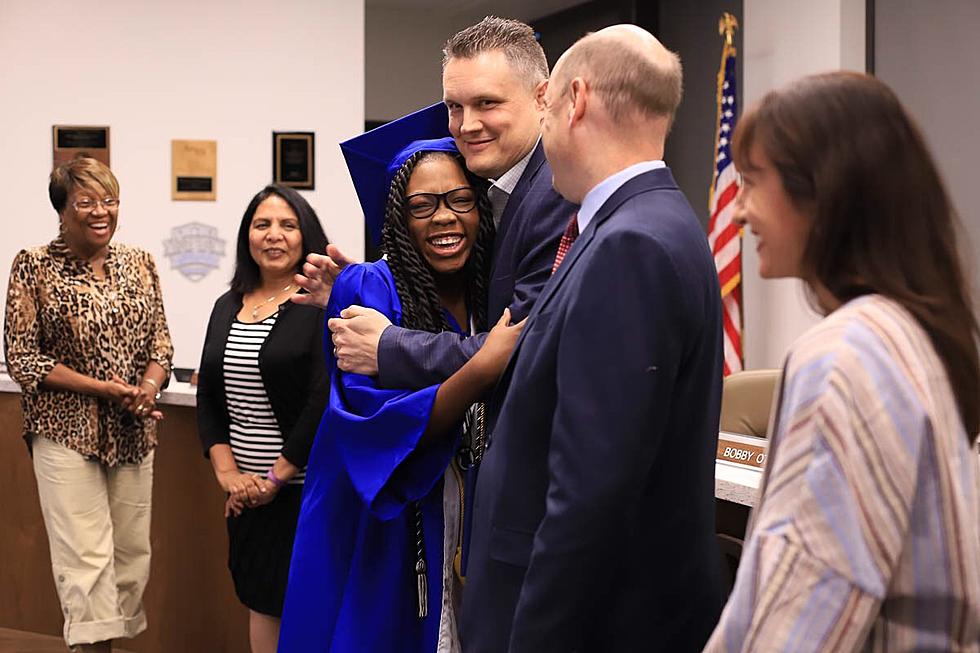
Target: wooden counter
190 602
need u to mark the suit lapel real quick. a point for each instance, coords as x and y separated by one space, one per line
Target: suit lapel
655 179
652 180
520 191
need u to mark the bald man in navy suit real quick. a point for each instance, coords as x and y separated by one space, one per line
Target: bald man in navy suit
593 526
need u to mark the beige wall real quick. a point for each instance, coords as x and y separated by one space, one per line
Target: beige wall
187 69
784 40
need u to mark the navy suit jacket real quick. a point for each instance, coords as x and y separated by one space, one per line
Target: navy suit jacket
524 250
593 522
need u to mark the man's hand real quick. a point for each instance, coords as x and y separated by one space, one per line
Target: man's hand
319 273
356 334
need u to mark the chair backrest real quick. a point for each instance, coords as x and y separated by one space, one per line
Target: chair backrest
746 401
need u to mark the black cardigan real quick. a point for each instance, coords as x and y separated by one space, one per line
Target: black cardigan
293 371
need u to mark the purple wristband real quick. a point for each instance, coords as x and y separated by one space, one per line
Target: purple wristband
271 475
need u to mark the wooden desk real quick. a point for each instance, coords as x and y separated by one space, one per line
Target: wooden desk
18 641
190 601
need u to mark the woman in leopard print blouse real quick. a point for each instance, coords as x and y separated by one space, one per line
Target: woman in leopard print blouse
87 340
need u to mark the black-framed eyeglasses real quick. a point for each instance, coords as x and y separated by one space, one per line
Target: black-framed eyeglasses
457 200
86 204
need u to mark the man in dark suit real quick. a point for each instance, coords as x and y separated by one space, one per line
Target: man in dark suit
594 516
492 72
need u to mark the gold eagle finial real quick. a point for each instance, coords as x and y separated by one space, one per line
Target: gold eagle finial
727 25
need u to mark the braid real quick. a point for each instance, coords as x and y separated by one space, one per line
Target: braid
421 306
478 265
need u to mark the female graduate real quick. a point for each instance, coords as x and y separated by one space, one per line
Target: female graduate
372 562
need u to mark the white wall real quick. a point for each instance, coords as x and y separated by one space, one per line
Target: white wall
927 53
785 40
184 69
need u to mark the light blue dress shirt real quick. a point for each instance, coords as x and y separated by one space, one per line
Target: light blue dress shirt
596 197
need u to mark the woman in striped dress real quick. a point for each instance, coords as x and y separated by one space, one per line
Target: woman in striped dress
866 536
262 387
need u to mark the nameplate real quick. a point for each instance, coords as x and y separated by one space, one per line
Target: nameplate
744 450
194 184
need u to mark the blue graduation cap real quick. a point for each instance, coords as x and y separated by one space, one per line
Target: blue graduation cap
374 157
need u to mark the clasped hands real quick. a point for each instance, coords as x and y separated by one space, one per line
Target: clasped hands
245 491
133 398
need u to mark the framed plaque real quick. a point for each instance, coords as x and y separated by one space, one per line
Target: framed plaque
292 159
70 141
194 170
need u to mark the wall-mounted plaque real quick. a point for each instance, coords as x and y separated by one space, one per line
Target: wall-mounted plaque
292 159
194 170
70 141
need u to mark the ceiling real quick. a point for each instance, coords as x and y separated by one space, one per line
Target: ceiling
526 10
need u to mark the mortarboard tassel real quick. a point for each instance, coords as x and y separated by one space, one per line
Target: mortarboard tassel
420 567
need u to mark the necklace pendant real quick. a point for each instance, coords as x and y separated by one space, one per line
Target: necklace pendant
255 309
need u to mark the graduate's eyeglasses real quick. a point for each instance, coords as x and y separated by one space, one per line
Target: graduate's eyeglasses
86 204
457 200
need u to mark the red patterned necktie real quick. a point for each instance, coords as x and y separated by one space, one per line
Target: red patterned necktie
565 244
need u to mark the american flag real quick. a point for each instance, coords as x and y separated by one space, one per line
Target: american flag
724 236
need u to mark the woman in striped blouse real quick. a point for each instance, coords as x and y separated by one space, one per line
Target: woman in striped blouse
262 387
866 535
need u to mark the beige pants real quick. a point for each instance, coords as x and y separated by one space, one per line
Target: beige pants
98 523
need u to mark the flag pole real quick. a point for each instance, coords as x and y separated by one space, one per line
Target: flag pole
727 25
724 234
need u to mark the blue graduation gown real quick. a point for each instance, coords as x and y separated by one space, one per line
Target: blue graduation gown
352 585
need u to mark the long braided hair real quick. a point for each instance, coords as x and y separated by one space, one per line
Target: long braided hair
422 309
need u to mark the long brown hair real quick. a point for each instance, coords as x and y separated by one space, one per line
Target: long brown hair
883 222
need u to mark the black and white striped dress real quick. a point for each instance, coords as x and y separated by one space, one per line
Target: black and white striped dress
256 440
260 540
